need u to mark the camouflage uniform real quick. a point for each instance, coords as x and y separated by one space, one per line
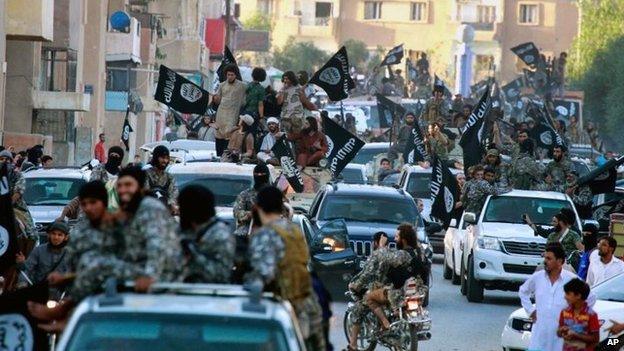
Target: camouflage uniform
583 200
157 179
525 172
434 110
266 251
215 253
100 173
476 193
17 185
242 210
439 146
559 171
405 133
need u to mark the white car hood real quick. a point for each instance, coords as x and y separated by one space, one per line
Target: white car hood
508 231
45 214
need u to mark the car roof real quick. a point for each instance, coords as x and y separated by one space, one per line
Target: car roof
181 144
355 166
554 195
214 168
361 189
419 169
61 172
376 145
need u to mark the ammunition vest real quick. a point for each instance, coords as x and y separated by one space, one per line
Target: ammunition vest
293 281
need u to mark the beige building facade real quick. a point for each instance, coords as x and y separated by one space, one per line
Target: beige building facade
429 26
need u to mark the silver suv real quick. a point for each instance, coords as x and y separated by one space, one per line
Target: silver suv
183 317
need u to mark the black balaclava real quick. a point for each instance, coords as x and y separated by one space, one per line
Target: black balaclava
113 163
261 176
159 151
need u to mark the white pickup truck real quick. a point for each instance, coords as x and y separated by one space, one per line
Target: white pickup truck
499 251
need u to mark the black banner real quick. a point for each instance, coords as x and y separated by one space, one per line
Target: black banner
180 93
125 131
512 89
8 237
602 179
415 150
393 57
387 109
544 132
528 53
473 134
282 151
228 58
343 146
444 192
334 76
566 108
18 330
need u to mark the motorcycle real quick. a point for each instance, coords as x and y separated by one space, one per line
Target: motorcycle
408 325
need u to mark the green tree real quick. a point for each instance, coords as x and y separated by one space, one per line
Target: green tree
597 65
357 52
258 21
303 56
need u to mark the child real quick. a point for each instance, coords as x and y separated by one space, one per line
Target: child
578 324
45 258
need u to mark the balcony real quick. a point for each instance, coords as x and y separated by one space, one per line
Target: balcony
116 100
318 27
31 20
124 46
61 101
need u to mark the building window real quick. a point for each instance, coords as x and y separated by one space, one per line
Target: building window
528 14
486 14
323 13
297 8
419 12
372 10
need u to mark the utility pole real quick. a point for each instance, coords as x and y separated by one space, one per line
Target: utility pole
228 15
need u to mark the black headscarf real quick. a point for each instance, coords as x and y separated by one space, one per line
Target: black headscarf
113 163
261 176
159 151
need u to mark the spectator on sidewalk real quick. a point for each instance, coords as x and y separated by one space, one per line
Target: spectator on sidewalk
607 266
100 149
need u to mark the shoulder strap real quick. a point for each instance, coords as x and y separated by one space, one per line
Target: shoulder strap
211 224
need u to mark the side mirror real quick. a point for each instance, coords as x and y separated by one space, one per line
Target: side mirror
453 223
470 218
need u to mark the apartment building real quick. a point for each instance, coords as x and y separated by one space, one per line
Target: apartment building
432 27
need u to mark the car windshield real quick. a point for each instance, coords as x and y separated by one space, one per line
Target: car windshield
156 332
224 187
418 185
369 208
366 155
352 176
390 180
610 290
509 209
51 191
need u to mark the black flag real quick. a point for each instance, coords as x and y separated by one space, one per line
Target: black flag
602 179
334 76
387 109
125 131
228 58
393 56
544 131
437 82
415 150
511 90
528 53
444 192
473 134
343 146
8 237
566 108
180 93
289 166
18 330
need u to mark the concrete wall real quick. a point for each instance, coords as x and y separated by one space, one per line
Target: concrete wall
23 65
30 19
2 61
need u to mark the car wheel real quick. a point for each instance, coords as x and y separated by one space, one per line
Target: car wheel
474 289
462 278
455 279
447 271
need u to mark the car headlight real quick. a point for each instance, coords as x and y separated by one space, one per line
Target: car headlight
488 243
332 244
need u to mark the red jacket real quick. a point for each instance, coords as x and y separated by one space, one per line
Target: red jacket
100 152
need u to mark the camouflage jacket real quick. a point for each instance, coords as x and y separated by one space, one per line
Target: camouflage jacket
439 146
242 210
477 193
266 250
559 170
525 172
582 195
373 274
100 173
215 253
84 237
434 110
163 181
151 243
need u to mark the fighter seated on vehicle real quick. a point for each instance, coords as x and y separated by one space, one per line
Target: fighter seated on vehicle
384 275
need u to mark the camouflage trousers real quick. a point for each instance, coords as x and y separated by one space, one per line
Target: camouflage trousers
292 124
310 318
92 270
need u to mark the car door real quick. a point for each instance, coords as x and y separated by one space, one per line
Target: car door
332 258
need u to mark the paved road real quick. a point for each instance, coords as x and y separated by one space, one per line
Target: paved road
458 325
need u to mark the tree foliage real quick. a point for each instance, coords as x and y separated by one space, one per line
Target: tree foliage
303 56
597 65
357 52
258 21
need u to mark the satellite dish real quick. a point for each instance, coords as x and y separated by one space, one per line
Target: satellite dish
120 20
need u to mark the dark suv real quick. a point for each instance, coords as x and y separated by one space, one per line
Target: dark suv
366 209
